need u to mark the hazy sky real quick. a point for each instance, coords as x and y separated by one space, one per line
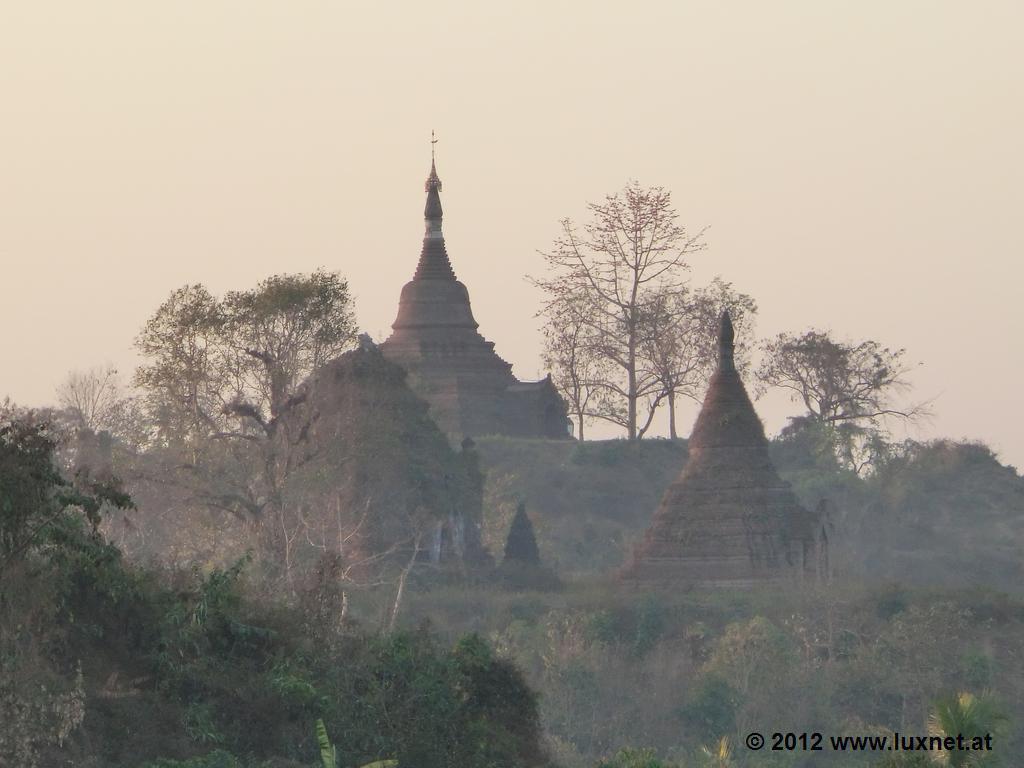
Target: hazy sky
860 165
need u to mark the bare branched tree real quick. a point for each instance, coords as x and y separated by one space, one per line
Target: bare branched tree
570 354
680 344
631 248
94 398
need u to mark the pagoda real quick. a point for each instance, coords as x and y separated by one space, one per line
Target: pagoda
470 389
729 520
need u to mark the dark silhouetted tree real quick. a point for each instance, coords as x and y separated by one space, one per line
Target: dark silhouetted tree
850 387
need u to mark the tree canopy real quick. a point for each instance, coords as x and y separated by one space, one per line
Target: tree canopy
228 367
39 507
625 333
851 387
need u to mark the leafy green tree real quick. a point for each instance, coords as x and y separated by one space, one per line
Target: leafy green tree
184 389
711 708
39 507
918 649
48 533
498 710
849 386
650 623
755 659
219 374
172 670
224 368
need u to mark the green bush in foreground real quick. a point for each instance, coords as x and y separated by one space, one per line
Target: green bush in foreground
102 664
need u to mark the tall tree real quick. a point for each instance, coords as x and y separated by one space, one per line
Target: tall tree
184 393
211 363
851 387
631 247
48 542
280 332
680 344
219 373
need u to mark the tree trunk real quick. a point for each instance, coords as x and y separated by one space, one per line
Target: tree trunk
400 591
579 422
672 414
631 390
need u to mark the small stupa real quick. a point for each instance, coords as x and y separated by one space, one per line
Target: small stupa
728 520
521 568
521 544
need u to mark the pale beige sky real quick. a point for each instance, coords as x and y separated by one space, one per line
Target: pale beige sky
860 164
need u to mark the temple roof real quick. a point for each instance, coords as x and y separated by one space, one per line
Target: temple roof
471 390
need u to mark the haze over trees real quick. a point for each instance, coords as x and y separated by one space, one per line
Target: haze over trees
315 552
270 434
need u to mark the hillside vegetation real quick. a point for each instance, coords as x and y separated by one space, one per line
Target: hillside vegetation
939 513
213 661
673 672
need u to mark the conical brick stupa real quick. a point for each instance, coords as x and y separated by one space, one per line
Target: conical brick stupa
728 520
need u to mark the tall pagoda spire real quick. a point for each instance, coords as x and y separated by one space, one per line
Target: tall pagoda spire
434 263
726 343
470 389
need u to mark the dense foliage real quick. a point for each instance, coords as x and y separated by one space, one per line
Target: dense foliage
671 675
104 664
